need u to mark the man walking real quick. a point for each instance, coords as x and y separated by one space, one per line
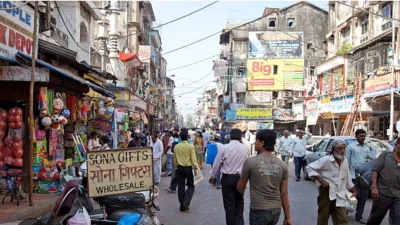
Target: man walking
285 146
173 183
357 153
185 162
299 151
157 153
205 140
268 178
215 143
230 161
386 187
333 179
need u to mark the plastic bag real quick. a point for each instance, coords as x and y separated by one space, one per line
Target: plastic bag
129 219
80 218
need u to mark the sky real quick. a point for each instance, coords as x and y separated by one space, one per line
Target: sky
196 78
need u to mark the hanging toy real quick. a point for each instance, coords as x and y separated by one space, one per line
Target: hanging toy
108 101
43 113
58 105
56 121
101 112
62 120
84 110
46 121
65 113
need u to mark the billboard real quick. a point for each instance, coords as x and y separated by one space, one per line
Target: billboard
258 98
377 86
293 74
275 45
254 113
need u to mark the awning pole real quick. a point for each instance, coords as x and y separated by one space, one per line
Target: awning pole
30 120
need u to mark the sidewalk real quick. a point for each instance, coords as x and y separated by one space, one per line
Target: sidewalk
10 212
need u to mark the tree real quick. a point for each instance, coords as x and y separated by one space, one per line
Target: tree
189 121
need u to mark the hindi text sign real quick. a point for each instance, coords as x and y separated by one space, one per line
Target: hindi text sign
119 171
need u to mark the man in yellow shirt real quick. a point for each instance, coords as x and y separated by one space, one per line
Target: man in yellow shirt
185 162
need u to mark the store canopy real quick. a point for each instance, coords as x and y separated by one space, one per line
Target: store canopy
26 59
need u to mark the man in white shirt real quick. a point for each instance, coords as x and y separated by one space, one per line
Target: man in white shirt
333 179
285 146
205 140
299 151
158 150
230 161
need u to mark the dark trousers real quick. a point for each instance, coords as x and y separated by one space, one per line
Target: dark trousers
381 206
298 164
185 173
327 208
362 197
174 183
233 199
264 217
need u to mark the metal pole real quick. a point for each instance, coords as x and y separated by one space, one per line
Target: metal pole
391 127
30 120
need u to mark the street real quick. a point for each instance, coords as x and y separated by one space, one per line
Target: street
207 207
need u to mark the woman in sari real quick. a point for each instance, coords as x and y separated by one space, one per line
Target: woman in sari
198 145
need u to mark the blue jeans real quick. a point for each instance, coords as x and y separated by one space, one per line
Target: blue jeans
264 217
298 164
219 178
174 183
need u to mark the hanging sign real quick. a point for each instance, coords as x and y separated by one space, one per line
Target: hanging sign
119 171
18 73
254 113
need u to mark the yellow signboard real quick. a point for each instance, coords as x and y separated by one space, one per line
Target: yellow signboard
264 74
254 114
119 171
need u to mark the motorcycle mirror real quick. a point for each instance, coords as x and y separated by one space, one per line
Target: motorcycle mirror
31 221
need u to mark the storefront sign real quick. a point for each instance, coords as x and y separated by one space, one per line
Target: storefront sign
119 171
16 26
18 73
282 114
293 74
298 111
265 125
312 111
378 86
259 98
275 45
254 113
144 53
230 115
264 75
330 64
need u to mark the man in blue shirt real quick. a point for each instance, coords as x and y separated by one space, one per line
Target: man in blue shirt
357 153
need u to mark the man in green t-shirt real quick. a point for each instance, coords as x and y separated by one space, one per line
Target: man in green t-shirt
268 178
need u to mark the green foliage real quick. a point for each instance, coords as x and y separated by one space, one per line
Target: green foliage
344 49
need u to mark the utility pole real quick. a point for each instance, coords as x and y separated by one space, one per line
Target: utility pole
31 92
114 35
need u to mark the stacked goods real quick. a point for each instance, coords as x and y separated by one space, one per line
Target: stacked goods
3 126
13 151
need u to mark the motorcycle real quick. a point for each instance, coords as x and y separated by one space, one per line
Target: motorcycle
113 207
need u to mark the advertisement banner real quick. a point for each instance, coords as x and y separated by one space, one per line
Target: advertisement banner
144 53
16 27
282 114
265 125
312 111
264 75
119 171
298 111
275 45
293 74
259 98
378 86
254 113
230 115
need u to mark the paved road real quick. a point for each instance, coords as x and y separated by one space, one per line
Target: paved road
207 208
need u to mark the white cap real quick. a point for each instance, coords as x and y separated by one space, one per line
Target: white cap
137 131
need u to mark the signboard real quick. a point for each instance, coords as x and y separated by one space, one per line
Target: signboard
265 125
378 86
230 115
298 111
18 73
275 45
264 75
258 98
293 74
119 171
282 114
254 113
144 53
330 64
16 26
312 111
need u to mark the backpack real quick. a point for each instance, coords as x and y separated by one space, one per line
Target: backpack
365 171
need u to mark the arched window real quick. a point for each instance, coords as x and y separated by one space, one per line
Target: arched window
84 32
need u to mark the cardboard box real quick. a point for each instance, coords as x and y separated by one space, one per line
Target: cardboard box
48 186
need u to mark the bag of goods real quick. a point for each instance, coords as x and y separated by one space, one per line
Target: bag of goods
15 118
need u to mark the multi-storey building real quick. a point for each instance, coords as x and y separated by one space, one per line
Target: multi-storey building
268 60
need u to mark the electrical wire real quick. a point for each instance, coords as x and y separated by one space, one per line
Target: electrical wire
16 7
193 63
174 20
367 11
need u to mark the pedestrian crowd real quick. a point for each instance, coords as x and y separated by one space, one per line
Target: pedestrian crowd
346 176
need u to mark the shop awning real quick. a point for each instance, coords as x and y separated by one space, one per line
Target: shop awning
24 60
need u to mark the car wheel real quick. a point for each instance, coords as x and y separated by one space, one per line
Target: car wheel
305 174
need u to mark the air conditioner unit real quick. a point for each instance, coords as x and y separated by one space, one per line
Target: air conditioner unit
297 94
287 94
279 103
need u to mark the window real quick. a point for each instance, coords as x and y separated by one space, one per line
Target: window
387 11
290 22
275 69
365 24
309 45
321 147
240 98
84 33
241 71
272 22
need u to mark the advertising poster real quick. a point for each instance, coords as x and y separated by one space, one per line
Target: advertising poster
254 113
275 45
119 171
265 125
264 75
259 98
293 74
312 111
